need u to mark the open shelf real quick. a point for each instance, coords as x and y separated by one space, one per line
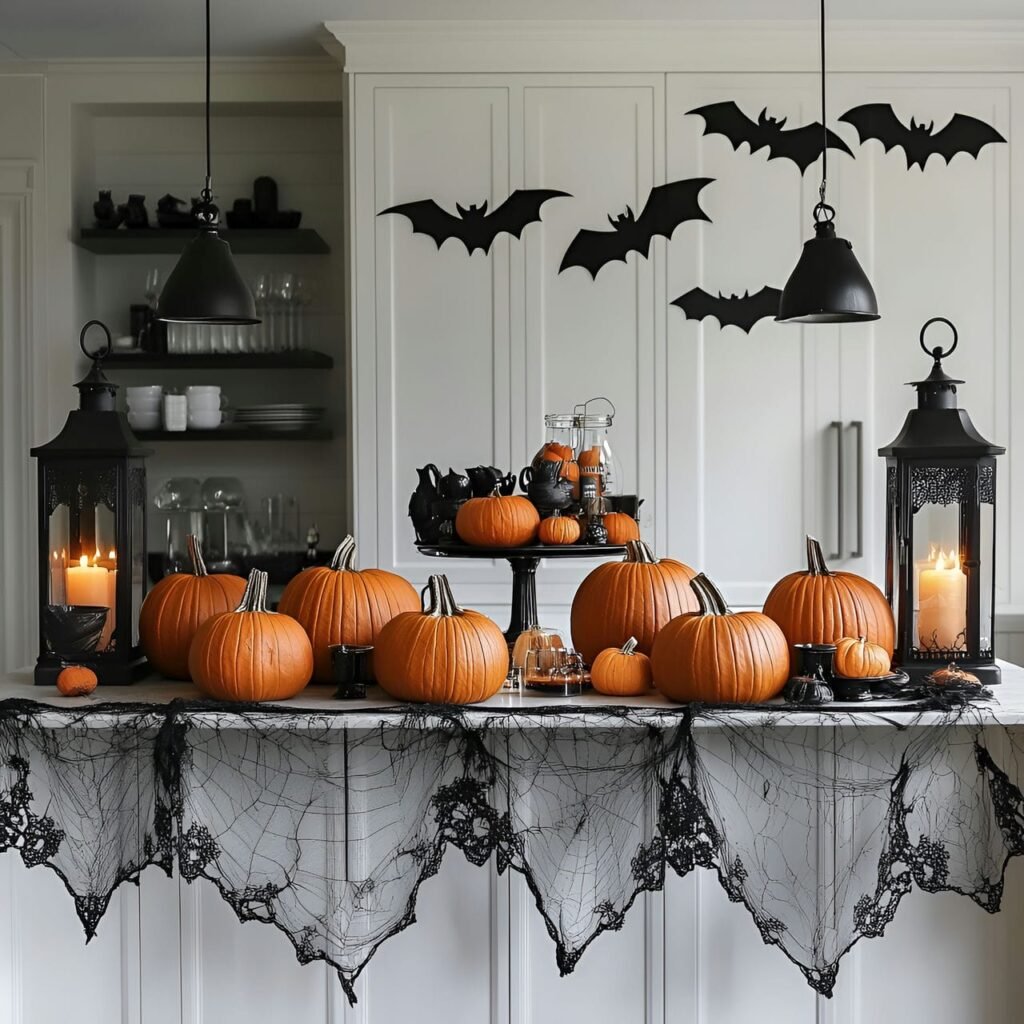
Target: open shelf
300 359
129 241
238 434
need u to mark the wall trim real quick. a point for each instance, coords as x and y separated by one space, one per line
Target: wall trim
636 46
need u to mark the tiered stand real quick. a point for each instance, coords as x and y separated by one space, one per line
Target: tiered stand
524 562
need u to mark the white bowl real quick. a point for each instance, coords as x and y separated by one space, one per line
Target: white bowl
203 403
202 389
147 391
144 420
205 419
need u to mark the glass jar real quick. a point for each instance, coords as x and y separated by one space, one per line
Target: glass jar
561 435
600 473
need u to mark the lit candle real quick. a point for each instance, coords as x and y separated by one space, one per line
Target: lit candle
58 566
89 585
942 616
112 589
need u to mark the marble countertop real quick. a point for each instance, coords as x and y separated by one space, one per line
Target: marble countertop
1006 707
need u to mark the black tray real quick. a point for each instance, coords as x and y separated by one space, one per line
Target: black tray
456 549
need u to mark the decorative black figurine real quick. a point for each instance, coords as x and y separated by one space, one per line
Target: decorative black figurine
134 212
172 212
802 145
919 142
742 311
666 208
454 486
474 227
108 216
544 486
421 505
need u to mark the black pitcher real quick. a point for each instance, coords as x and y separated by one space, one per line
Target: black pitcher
545 487
421 504
454 486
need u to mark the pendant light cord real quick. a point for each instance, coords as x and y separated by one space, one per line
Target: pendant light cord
824 121
209 193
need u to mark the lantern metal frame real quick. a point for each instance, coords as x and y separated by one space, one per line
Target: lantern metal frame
939 458
95 443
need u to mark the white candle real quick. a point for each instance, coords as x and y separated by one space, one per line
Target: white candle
58 567
89 585
942 616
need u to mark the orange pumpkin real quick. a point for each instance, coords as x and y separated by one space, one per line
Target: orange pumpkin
558 529
555 452
498 521
177 606
338 604
635 597
720 656
953 675
859 659
817 606
76 681
621 528
622 672
444 655
251 654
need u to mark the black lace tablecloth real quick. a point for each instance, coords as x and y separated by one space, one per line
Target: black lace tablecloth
324 821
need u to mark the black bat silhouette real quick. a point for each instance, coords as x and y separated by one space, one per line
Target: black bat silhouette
474 227
742 311
963 134
801 145
666 208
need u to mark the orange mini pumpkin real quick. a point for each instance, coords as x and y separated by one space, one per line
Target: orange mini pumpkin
444 655
622 672
859 659
498 521
339 604
557 529
720 656
621 528
251 654
76 681
817 606
177 606
635 597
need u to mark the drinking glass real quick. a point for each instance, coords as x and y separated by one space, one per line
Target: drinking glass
303 300
261 332
282 515
284 296
152 286
555 671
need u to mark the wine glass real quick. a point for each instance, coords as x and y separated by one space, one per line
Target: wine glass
284 293
152 287
262 333
303 300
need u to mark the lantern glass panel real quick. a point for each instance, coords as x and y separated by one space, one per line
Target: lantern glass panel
137 527
940 582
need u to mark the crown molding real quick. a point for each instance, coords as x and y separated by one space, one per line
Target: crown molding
662 46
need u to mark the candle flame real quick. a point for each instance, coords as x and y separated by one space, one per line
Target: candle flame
113 554
83 561
945 560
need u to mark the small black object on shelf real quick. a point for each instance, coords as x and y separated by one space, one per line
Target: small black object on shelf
172 212
134 213
350 667
296 359
808 689
108 215
104 242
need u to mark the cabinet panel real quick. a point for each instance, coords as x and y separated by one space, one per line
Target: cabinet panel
748 414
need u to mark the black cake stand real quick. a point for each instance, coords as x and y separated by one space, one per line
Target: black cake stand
524 562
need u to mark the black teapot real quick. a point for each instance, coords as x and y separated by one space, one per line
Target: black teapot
545 487
483 480
454 486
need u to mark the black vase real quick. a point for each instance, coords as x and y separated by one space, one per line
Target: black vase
107 215
134 212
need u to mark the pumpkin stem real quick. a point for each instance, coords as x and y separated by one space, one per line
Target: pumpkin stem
639 551
709 597
255 597
630 645
195 554
344 555
815 559
442 601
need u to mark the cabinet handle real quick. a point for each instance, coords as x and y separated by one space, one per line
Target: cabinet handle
858 427
837 426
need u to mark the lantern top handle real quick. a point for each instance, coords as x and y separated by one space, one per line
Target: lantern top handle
101 353
937 353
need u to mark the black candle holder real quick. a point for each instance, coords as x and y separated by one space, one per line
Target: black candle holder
350 667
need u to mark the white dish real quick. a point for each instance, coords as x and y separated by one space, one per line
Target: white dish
151 392
144 421
204 420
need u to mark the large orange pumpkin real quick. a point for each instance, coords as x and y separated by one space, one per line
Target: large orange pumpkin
635 597
498 521
719 656
444 655
177 606
818 606
338 604
622 672
251 654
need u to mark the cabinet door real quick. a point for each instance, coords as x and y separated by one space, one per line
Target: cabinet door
751 462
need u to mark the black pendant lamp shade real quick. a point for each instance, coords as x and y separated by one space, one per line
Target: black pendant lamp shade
205 286
828 285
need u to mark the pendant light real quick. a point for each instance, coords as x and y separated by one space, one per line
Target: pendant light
205 286
828 285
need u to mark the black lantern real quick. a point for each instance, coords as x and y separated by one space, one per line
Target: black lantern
941 531
92 536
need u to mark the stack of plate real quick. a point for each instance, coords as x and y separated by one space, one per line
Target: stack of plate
282 416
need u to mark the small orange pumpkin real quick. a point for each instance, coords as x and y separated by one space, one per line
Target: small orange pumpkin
818 606
859 659
177 606
251 654
558 529
555 452
622 672
621 528
444 655
720 656
339 604
953 675
76 681
634 597
498 521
